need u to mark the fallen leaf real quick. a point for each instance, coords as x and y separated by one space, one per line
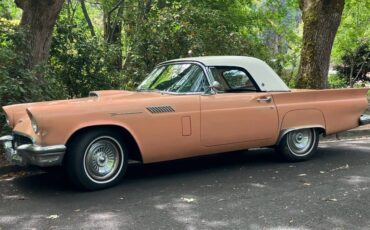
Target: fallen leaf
76 210
302 174
188 200
52 217
13 197
306 184
340 168
258 185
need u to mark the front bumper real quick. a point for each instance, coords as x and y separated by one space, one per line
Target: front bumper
32 154
365 119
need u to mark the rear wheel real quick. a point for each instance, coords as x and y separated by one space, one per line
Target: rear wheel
96 159
299 145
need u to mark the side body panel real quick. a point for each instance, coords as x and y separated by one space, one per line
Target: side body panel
238 117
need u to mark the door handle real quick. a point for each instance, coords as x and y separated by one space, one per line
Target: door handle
267 99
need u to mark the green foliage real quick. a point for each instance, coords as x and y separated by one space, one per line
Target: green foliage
196 28
354 30
357 63
17 84
8 10
162 30
82 63
351 47
336 81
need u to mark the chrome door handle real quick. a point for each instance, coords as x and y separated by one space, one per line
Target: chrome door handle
265 99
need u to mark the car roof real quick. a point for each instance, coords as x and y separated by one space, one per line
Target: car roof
262 73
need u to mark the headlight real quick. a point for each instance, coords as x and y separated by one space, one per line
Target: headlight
34 125
8 121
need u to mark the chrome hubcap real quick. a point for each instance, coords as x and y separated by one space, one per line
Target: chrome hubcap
102 159
300 141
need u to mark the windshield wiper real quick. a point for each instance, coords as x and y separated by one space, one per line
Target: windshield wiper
149 90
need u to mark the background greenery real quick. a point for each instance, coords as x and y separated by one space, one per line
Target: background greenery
83 58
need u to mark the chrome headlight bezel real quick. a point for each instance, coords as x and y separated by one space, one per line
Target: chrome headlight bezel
34 124
8 121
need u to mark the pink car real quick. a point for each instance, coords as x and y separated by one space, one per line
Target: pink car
184 108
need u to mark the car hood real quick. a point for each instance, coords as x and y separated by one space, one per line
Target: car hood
17 112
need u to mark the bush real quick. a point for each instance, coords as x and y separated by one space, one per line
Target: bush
82 63
17 84
336 81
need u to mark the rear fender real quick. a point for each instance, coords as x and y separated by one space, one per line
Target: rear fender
301 119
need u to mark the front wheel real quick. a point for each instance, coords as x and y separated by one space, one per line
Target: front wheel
299 145
96 159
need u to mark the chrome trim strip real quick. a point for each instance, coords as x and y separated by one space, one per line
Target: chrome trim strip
41 149
364 119
285 131
6 138
125 113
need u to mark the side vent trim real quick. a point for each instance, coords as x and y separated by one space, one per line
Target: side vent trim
160 109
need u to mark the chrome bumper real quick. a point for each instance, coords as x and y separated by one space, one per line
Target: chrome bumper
364 119
31 154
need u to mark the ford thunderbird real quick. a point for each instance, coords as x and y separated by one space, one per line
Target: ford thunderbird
184 108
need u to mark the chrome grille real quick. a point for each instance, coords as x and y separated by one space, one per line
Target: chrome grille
19 139
160 109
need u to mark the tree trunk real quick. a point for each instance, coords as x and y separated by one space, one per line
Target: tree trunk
38 19
321 19
113 30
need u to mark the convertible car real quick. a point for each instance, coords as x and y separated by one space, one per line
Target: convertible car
184 108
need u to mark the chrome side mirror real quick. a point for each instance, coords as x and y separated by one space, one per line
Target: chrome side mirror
216 86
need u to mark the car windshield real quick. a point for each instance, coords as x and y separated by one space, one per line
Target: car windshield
176 78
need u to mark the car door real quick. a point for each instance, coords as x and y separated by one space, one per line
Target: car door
238 113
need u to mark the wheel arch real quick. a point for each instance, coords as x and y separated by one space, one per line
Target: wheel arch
134 152
302 119
284 132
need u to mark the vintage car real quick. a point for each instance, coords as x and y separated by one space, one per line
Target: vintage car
184 108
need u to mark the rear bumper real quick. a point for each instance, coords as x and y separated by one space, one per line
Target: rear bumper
32 154
364 119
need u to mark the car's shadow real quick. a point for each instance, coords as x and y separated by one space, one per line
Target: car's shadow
56 181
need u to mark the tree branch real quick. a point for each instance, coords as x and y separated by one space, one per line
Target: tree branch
115 7
362 65
87 18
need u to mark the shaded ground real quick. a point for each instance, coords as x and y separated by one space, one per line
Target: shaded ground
2 159
241 190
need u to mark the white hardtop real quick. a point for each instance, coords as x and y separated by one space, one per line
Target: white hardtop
263 74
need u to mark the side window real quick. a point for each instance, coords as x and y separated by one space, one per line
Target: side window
194 81
233 79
